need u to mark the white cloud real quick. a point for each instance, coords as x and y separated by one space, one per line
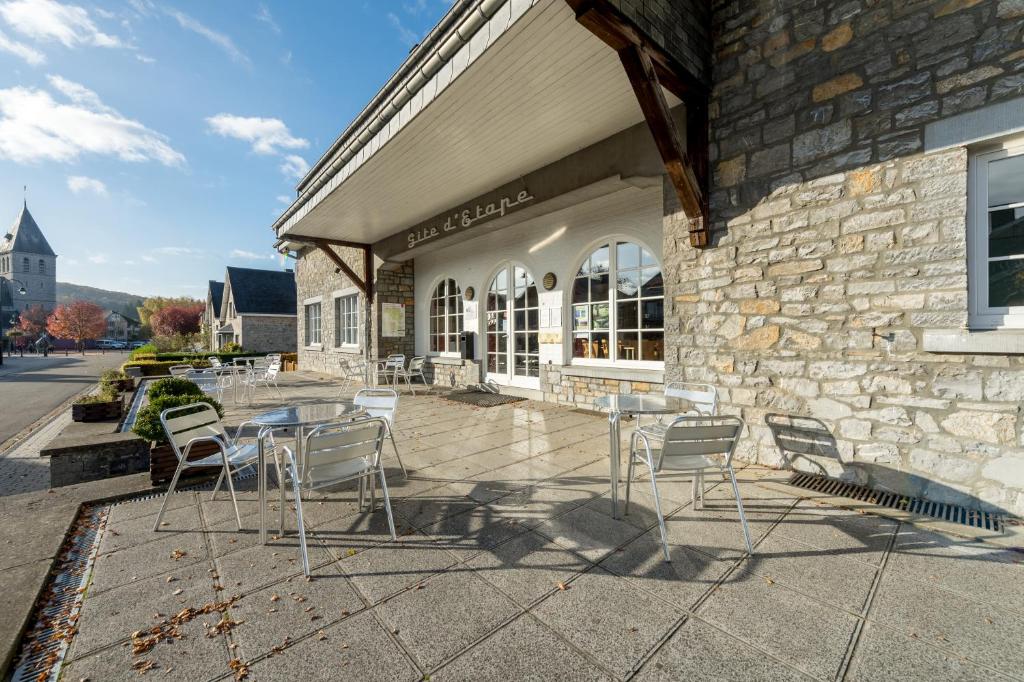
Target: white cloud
129 262
97 258
405 34
145 59
264 15
219 39
286 58
81 183
294 167
49 21
68 261
242 254
148 259
284 199
21 50
267 135
176 251
35 127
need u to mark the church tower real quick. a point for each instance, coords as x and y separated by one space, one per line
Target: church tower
25 255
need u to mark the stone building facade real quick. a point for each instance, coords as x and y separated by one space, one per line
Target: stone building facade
27 257
840 250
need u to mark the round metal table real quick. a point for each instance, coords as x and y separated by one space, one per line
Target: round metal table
635 405
298 417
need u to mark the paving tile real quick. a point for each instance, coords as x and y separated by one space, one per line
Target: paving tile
642 511
716 532
798 630
884 654
349 534
357 648
859 536
143 561
527 567
225 537
131 509
682 581
534 505
524 651
388 568
138 530
291 609
828 577
588 532
948 620
432 506
466 535
261 565
699 651
450 612
608 618
981 572
112 616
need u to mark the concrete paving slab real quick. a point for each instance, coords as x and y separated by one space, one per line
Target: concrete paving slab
528 567
466 535
160 557
859 536
716 531
139 530
588 532
252 569
525 651
447 614
612 621
389 568
432 506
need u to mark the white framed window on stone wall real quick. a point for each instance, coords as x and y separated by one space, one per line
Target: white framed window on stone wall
445 318
346 320
621 324
996 228
312 318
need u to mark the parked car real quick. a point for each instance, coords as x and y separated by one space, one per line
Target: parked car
137 344
111 344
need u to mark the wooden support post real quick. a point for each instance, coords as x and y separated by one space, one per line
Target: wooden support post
364 283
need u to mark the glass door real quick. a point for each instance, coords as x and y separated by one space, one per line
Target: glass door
513 322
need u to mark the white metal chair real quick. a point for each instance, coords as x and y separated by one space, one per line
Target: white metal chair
390 368
333 454
208 382
198 423
354 374
214 361
690 445
703 398
414 370
179 370
383 403
273 357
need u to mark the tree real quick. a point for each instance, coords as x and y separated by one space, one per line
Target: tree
33 321
79 321
177 320
155 304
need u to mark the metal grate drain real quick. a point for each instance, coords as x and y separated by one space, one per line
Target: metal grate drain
478 399
953 513
49 635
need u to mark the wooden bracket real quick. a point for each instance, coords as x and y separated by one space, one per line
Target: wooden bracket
649 69
364 283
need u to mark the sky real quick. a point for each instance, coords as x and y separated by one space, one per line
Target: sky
159 140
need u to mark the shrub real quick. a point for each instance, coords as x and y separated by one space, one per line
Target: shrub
148 350
104 396
231 347
173 386
147 423
155 368
112 376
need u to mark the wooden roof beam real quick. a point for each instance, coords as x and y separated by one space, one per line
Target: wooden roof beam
364 283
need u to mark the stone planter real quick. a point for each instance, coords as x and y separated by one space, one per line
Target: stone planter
124 385
96 412
163 462
135 372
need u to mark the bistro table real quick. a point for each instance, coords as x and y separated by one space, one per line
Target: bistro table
635 405
298 417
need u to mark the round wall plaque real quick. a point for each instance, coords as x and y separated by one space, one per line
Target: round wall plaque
469 293
549 281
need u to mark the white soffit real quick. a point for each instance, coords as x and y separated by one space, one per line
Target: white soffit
544 89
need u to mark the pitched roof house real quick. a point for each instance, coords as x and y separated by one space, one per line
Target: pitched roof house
211 315
257 309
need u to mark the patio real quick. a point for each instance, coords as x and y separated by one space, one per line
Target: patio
510 566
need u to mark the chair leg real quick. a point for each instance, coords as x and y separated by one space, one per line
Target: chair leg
231 487
391 437
657 508
298 520
170 490
408 383
629 471
739 508
387 500
216 488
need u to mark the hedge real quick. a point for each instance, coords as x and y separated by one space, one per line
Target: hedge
154 368
187 357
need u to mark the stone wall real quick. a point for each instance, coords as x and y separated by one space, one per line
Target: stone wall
571 386
268 333
837 242
395 283
81 454
680 27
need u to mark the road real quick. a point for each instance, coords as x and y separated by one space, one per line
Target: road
32 387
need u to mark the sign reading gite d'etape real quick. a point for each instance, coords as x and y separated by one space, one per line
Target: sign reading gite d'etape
392 319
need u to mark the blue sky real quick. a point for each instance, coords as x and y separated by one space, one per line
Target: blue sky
159 140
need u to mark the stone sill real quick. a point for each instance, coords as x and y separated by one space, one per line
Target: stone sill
651 376
974 342
453 362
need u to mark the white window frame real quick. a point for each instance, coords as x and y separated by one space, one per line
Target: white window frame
613 327
980 314
306 305
337 296
458 316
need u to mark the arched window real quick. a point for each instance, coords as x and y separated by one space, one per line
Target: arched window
624 322
42 267
445 317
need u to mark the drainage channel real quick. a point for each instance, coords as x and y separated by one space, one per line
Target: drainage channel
953 513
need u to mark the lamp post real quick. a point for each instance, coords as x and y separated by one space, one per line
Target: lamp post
21 290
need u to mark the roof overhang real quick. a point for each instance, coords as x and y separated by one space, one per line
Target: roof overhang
529 87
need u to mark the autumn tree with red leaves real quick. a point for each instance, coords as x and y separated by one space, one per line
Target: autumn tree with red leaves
80 321
33 321
177 320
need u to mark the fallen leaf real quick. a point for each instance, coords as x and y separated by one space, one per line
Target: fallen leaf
178 591
562 586
274 597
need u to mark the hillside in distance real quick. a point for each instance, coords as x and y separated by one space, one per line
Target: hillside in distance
118 301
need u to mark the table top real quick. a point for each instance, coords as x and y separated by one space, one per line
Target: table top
303 415
642 404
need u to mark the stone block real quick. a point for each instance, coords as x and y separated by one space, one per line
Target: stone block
988 427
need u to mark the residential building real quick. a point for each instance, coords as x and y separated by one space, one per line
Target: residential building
258 310
211 315
813 205
25 255
122 327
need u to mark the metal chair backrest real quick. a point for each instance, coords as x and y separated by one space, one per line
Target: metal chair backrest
272 371
182 424
208 381
704 397
395 362
179 370
273 357
690 440
337 452
416 364
214 361
378 402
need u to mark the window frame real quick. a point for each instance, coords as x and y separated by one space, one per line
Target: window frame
307 305
457 315
980 314
611 242
338 331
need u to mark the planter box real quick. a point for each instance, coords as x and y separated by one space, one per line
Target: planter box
133 371
124 385
96 412
163 462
